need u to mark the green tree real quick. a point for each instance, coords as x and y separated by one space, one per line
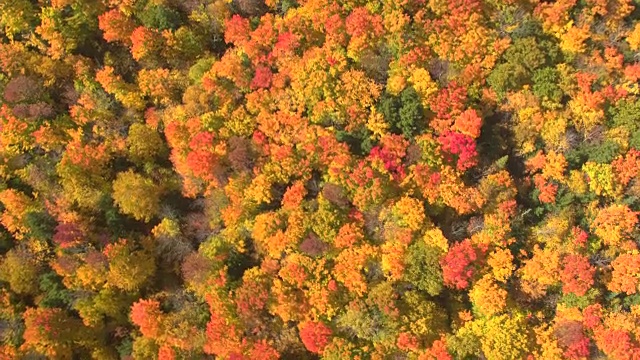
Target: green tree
404 113
21 270
137 195
144 144
423 267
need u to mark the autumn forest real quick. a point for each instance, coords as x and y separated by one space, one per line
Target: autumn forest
320 179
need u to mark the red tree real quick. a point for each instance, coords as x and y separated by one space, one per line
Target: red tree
577 274
458 265
315 336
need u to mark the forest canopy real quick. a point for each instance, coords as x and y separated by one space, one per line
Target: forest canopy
319 179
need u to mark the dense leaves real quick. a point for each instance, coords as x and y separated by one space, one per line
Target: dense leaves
346 179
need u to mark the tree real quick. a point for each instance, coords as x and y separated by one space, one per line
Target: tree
159 17
423 267
147 316
21 270
137 195
116 26
577 274
488 296
614 224
624 277
51 332
129 269
503 337
458 265
403 113
315 336
144 144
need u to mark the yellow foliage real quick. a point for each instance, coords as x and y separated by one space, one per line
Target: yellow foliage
409 213
573 40
540 271
376 124
634 38
434 237
260 190
601 179
488 297
619 135
555 166
502 337
553 131
424 85
167 227
576 182
549 347
395 84
501 262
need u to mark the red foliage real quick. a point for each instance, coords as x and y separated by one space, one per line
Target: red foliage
461 145
263 351
315 336
390 161
262 78
116 26
449 103
237 30
67 235
547 189
458 265
146 315
407 341
592 316
617 344
579 349
579 236
572 338
438 351
251 298
49 331
166 352
286 42
627 167
201 160
222 337
361 22
577 274
468 123
143 41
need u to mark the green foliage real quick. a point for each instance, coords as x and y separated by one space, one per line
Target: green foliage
522 59
545 84
526 53
21 271
423 267
136 195
423 317
200 68
360 141
508 77
625 114
144 144
244 129
404 113
572 300
159 17
54 294
40 225
601 153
